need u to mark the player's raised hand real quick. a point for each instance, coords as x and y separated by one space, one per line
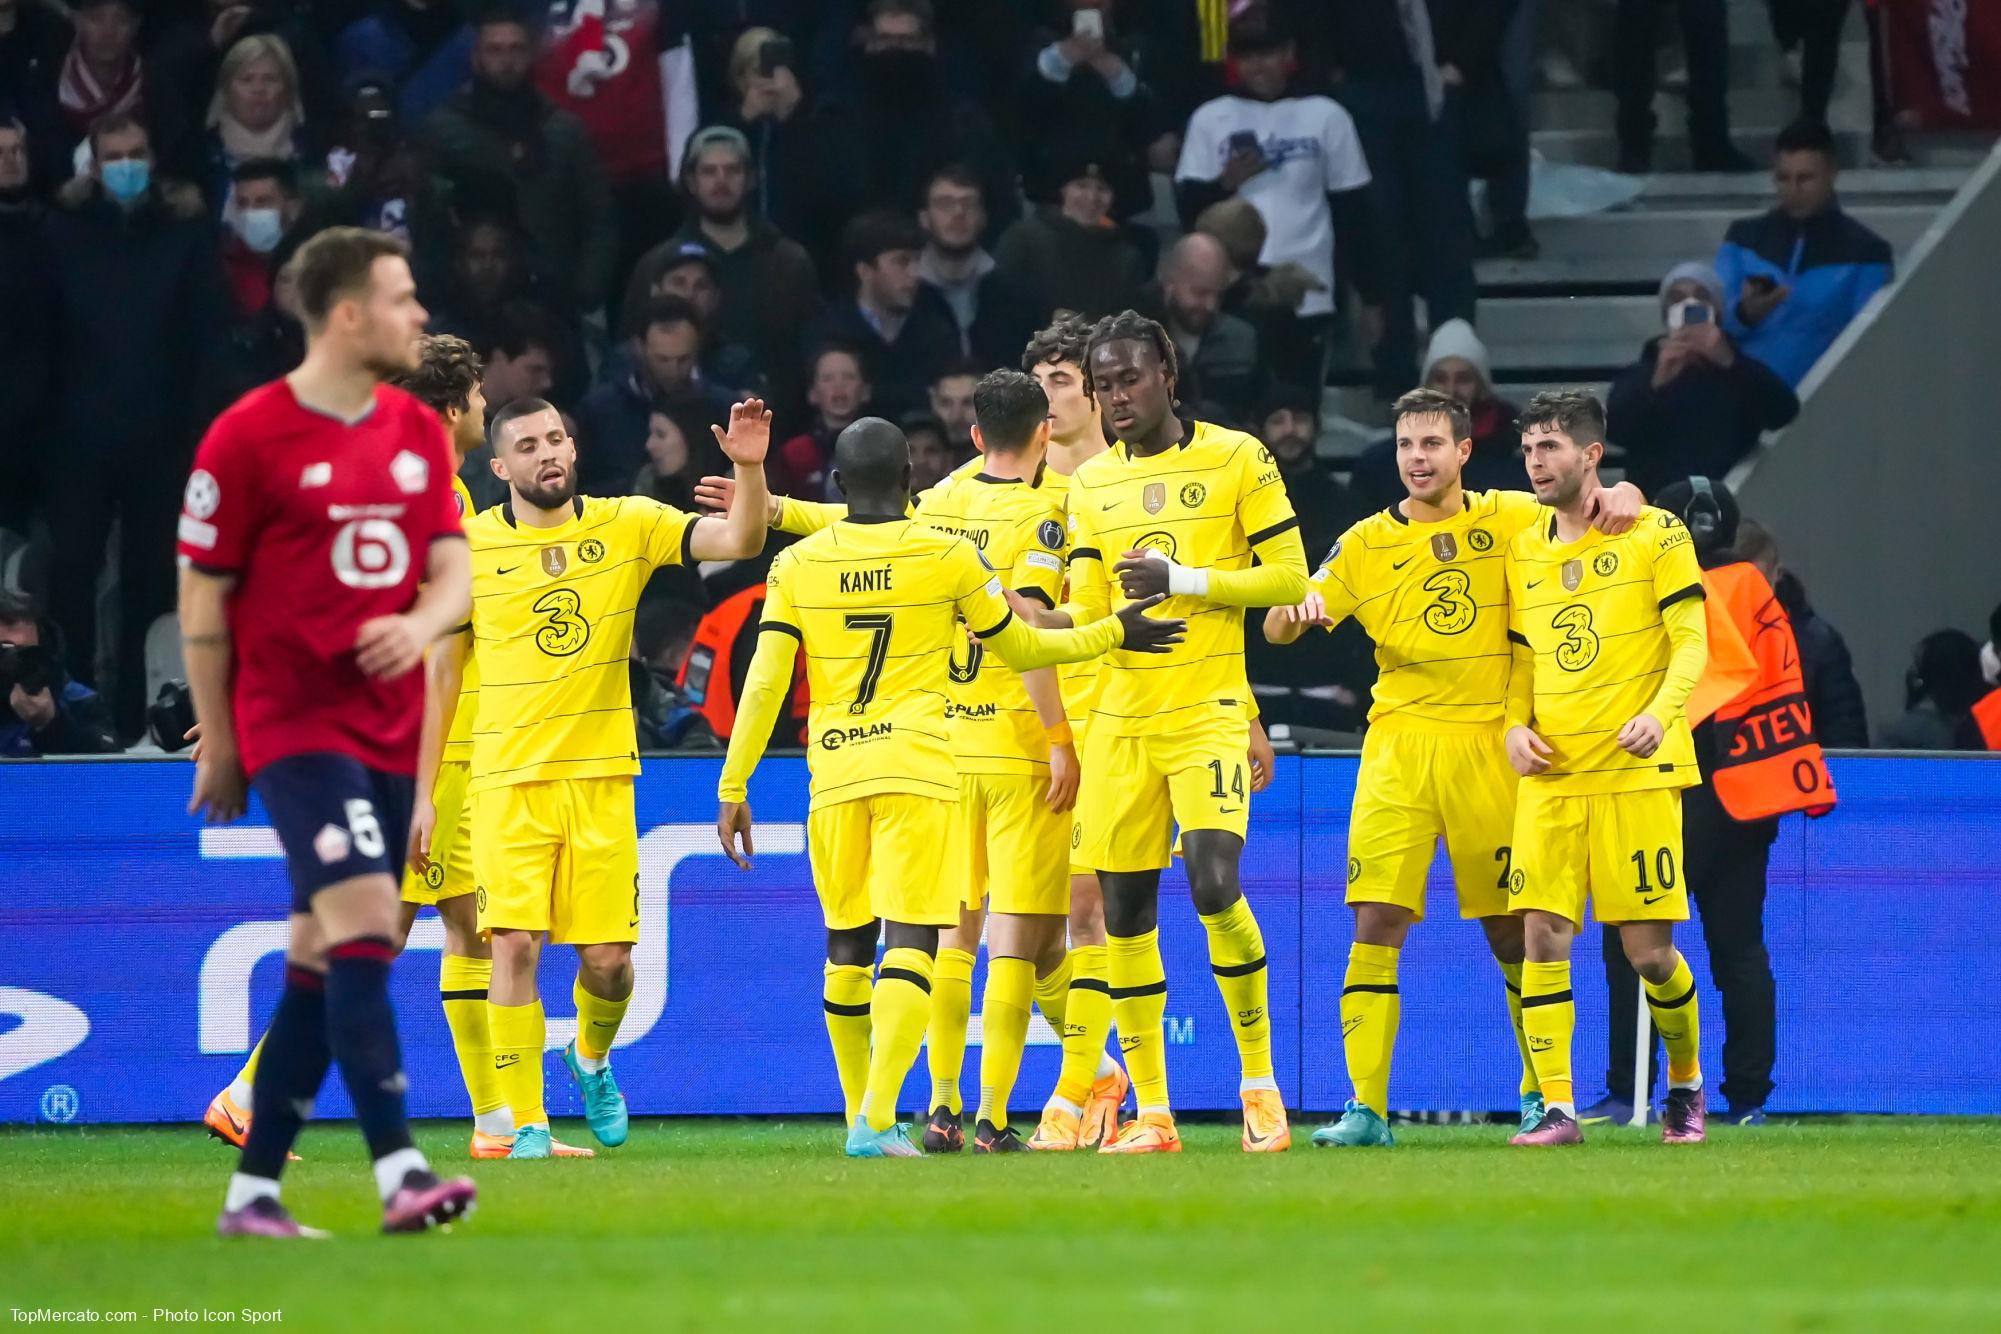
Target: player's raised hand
222 791
1146 634
716 493
1063 774
1642 736
1313 611
1263 759
732 821
388 646
749 434
1528 752
1617 509
1143 573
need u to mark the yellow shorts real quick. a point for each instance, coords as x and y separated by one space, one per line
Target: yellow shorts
1417 787
560 856
1621 850
885 856
1135 789
450 873
1079 729
1011 846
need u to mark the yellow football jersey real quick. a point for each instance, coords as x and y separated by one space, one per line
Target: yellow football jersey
458 741
877 604
1215 501
552 612
1590 612
1079 680
1434 597
1018 529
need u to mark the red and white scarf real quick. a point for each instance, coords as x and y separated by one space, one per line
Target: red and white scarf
84 99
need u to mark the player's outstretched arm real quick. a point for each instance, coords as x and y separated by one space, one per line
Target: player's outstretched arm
1280 580
764 691
1024 647
739 534
220 785
444 674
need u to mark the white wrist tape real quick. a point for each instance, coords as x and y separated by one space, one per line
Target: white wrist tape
1183 580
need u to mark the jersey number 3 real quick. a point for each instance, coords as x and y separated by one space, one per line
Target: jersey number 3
567 630
1579 648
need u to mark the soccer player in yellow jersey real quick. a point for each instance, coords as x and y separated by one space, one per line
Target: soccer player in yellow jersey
1425 578
1182 508
556 581
876 600
1609 641
439 868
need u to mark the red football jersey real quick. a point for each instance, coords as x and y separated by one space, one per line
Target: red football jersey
325 524
622 68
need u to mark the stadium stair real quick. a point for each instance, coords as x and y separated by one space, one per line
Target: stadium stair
1582 310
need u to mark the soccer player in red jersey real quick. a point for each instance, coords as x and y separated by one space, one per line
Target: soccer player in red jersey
321 553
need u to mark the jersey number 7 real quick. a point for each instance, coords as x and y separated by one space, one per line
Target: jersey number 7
878 626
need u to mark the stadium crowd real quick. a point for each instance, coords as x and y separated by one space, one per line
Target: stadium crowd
645 211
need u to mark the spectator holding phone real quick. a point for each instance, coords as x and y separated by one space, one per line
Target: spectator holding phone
1794 277
1298 160
1693 404
810 164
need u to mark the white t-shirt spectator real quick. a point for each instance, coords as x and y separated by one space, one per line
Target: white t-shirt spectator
1310 149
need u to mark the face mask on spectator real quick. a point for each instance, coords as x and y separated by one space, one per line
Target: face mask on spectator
126 179
260 228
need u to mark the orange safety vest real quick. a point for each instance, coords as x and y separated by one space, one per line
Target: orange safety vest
1770 764
706 677
1987 717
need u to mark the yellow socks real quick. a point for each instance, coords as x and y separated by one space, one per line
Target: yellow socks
1511 978
1237 958
1674 1009
518 1033
1549 1018
597 1024
1139 1001
1371 1007
245 1083
462 985
1087 1020
1052 993
945 1035
898 1012
844 995
1004 1031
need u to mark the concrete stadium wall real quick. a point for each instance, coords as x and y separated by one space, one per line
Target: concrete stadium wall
1885 494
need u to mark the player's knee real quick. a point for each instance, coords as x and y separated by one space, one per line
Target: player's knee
1504 937
1546 937
852 948
609 964
910 936
1383 924
1130 918
1212 895
1653 960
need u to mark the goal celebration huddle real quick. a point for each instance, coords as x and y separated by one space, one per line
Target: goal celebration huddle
1027 696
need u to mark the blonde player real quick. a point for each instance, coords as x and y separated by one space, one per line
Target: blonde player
439 869
556 581
1609 642
876 599
1425 578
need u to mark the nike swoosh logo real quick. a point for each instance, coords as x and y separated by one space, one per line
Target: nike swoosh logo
506 569
1247 1023
234 1124
1655 899
1398 565
1531 583
1229 810
1111 506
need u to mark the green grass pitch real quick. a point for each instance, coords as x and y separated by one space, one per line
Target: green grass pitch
1866 1224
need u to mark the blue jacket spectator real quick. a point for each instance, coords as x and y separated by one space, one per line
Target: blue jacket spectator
42 711
420 45
1794 277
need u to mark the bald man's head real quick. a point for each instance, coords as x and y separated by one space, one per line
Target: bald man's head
872 459
1193 277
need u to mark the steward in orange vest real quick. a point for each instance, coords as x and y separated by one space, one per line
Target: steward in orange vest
718 659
